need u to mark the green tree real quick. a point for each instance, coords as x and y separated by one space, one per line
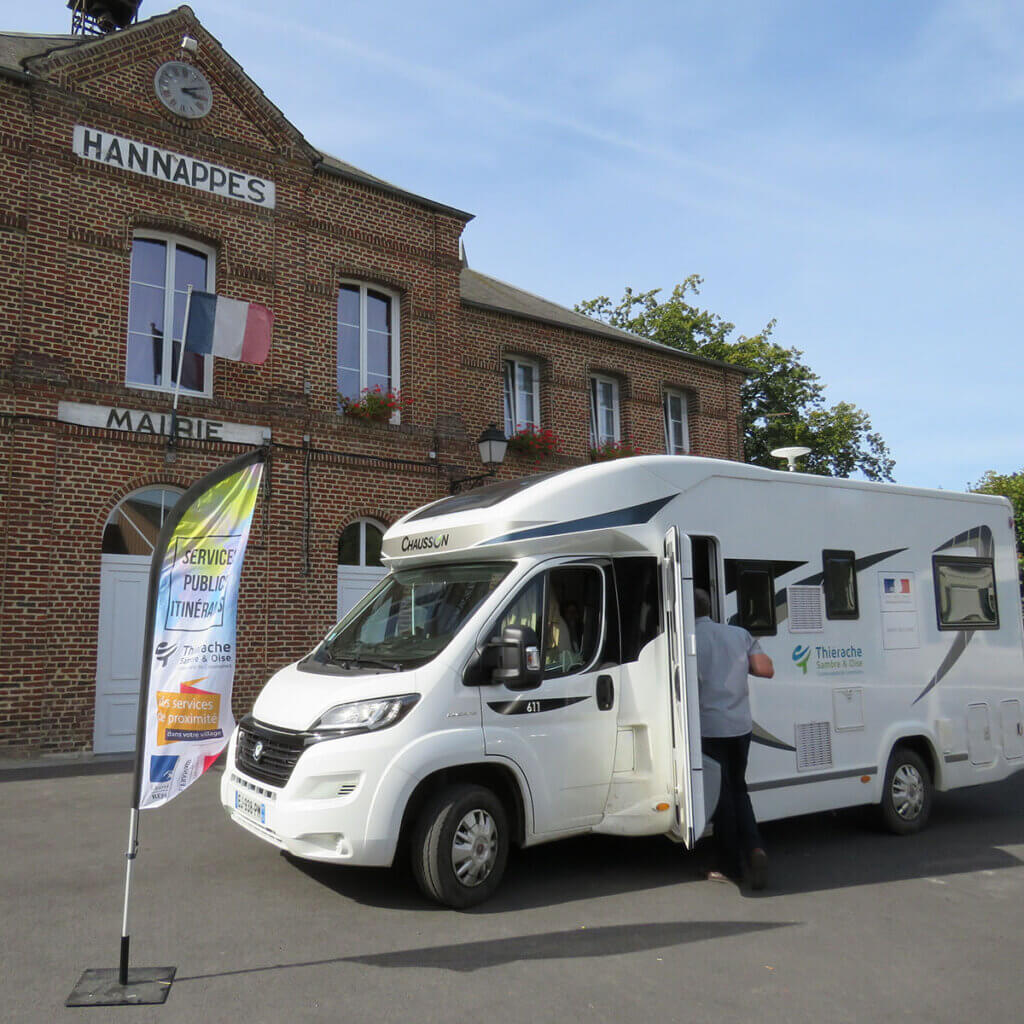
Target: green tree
783 398
1009 485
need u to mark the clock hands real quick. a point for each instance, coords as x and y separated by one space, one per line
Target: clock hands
196 92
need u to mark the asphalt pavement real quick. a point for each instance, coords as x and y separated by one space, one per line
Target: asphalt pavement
856 925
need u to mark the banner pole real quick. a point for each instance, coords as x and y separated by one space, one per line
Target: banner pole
133 846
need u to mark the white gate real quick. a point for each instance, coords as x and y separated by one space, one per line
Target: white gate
123 583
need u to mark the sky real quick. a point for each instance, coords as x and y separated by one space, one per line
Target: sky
851 171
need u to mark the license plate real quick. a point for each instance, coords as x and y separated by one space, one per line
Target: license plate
250 807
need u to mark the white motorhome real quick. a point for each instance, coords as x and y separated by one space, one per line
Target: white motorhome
526 671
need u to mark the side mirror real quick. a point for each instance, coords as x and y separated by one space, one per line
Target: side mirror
519 660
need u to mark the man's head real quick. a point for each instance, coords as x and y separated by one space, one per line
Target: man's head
701 602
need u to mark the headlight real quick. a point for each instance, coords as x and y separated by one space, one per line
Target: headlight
366 715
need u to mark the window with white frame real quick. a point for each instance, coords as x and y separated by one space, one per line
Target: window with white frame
162 268
604 411
522 395
368 339
677 426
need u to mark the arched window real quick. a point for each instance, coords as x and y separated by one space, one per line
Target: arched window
360 544
359 565
132 528
163 266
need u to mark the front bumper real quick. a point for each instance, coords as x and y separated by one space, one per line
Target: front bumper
323 811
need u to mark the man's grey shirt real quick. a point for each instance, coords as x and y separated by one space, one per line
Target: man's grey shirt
723 654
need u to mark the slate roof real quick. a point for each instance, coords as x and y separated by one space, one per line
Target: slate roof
16 47
491 294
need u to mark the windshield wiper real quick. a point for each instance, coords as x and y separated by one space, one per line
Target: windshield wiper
355 660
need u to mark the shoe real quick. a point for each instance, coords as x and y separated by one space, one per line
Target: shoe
758 868
718 876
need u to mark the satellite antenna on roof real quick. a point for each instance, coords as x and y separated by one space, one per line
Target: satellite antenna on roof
790 455
99 17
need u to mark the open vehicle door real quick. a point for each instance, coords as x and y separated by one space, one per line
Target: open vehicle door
688 761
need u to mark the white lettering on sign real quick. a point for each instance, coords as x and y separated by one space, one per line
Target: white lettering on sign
141 158
136 421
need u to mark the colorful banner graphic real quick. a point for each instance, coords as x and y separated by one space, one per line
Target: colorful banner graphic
193 609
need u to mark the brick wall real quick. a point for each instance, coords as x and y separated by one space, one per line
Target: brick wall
66 228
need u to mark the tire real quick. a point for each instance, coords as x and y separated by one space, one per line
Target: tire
460 846
907 795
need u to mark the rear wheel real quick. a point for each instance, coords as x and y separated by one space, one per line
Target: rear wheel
907 796
460 845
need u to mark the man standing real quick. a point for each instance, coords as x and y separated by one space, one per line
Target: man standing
725 656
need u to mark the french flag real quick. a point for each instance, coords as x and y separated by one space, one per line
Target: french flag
229 328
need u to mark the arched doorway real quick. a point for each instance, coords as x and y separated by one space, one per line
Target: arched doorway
129 537
359 565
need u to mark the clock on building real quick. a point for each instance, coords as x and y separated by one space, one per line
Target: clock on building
183 89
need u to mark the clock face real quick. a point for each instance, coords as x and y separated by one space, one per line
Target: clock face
183 90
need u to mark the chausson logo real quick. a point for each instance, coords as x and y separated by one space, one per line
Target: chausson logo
801 656
433 543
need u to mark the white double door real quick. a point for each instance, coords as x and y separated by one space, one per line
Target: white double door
122 624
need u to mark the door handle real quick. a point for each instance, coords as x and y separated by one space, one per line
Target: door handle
605 693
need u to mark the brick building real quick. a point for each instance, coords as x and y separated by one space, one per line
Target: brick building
133 167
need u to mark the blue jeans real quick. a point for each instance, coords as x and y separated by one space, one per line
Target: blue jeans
736 835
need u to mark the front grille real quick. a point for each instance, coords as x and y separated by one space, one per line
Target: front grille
278 756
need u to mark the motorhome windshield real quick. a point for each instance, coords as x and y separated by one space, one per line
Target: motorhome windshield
409 619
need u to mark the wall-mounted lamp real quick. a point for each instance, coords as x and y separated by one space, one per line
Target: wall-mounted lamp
493 444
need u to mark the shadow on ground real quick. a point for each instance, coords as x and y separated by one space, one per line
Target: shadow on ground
817 852
611 940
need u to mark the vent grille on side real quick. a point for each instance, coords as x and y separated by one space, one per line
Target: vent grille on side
813 745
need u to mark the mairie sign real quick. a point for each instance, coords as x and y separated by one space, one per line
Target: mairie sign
139 422
141 158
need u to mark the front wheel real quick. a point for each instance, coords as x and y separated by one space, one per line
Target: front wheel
907 796
460 845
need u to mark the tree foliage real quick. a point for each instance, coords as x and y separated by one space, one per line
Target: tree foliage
783 398
1009 485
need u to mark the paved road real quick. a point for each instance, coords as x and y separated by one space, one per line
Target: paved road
857 926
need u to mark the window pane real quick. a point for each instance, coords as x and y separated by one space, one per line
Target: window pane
510 401
348 305
189 269
348 546
145 358
145 308
133 526
378 354
526 609
192 366
348 383
573 620
378 312
149 261
526 413
348 347
756 600
840 580
373 542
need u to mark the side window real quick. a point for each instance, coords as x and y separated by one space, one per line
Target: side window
839 575
965 593
563 607
754 583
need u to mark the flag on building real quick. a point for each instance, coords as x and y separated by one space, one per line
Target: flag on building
228 328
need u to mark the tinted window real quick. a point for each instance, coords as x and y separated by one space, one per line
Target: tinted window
755 600
637 583
839 575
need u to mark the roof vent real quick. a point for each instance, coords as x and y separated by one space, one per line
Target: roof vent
99 17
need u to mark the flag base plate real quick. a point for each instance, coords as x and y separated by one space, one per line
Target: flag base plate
146 986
